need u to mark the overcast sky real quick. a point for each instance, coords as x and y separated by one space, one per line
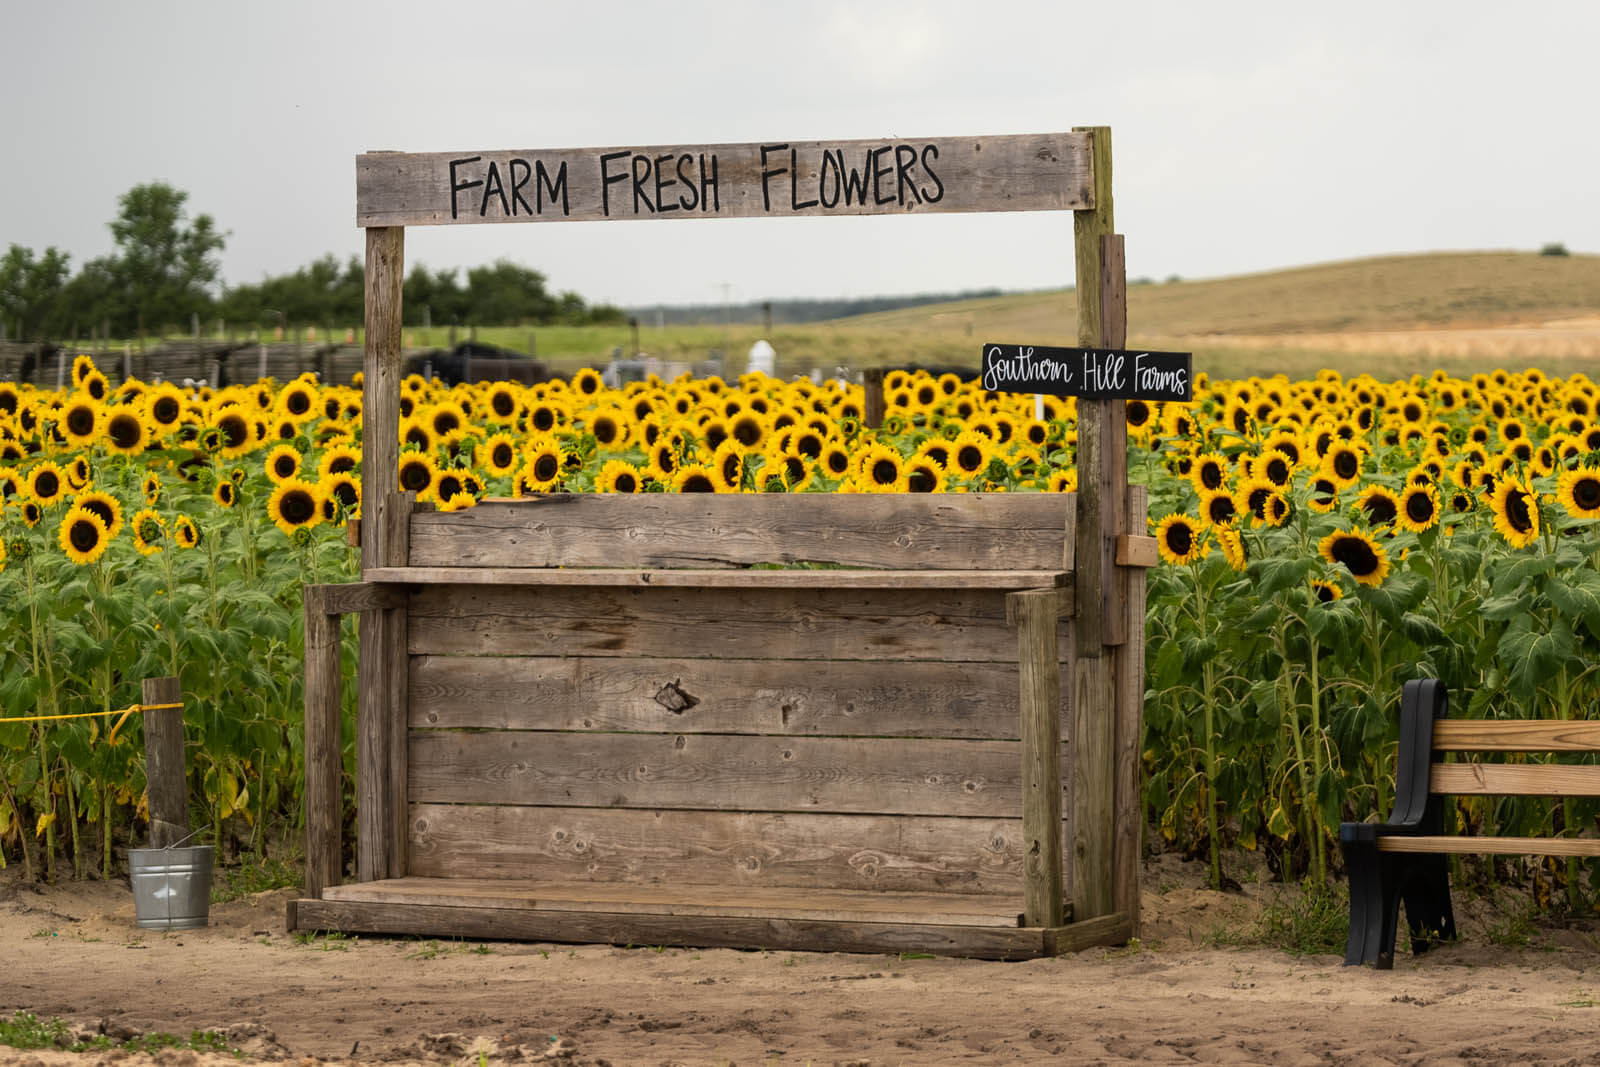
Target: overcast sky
1247 136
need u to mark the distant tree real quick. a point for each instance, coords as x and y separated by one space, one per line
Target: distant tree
31 293
1554 248
432 298
168 264
506 294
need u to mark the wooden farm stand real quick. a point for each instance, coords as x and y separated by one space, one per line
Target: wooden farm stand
594 718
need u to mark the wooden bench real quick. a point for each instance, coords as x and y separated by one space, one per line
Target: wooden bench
605 718
1405 860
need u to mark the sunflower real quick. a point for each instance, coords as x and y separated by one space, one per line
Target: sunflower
1209 472
1325 591
1342 464
498 454
46 483
283 463
1274 465
611 428
618 476
238 430
881 470
1324 495
294 505
125 433
542 468
1418 508
81 420
504 402
728 467
835 460
1360 554
83 536
1064 481
416 472
1231 542
106 506
1516 513
344 491
226 494
149 531
748 429
458 501
82 367
970 453
448 483
163 407
1180 539
1578 491
78 473
297 401
339 459
31 513
587 383
694 479
95 385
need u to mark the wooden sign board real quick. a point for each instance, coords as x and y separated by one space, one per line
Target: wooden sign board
1109 373
1030 172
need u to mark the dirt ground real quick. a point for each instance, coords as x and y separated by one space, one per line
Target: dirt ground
1179 995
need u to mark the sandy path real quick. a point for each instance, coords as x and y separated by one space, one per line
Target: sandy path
74 952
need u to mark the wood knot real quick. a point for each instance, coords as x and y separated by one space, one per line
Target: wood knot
673 697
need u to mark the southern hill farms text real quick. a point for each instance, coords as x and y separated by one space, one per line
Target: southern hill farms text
777 178
1088 372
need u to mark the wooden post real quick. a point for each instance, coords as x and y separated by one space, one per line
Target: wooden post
324 747
1102 476
166 774
1034 613
381 814
1128 818
872 404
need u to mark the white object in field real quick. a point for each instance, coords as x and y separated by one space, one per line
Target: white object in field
762 358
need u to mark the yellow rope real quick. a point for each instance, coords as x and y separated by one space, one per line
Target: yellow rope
111 737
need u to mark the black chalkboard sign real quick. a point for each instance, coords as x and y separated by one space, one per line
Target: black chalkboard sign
1109 373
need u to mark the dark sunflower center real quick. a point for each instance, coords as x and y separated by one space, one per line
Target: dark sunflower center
698 483
346 494
502 404
1586 493
502 455
1379 509
100 508
297 507
1180 539
235 431
969 458
732 465
285 466
1220 509
838 462
546 467
46 485
1278 471
342 464
124 431
165 410
1419 508
715 435
1258 501
445 422
298 402
449 486
543 419
1211 475
605 430
1346 464
80 420
1355 554
414 477
84 535
1325 593
747 432
96 388
1138 413
926 395
1517 512
885 472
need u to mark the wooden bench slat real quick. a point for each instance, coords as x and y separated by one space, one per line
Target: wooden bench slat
1511 779
964 909
735 578
1497 846
1516 735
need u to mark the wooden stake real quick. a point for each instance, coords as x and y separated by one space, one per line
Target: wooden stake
165 771
1036 613
324 746
872 404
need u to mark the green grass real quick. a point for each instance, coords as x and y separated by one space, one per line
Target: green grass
1312 921
254 875
25 1030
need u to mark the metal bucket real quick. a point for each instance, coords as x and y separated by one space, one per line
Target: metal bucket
171 887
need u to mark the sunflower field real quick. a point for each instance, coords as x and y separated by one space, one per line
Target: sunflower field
1322 541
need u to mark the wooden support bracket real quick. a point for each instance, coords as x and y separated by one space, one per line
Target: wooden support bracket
1136 551
1065 598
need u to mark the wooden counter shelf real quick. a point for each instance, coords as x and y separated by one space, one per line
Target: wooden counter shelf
730 578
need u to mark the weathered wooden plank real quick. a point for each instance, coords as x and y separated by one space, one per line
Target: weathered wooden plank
701 931
1027 172
1516 735
717 623
1113 929
723 772
1494 846
1136 551
779 697
1041 799
778 902
352 597
380 400
895 853
324 796
166 773
375 725
1128 821
903 531
1501 779
742 578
